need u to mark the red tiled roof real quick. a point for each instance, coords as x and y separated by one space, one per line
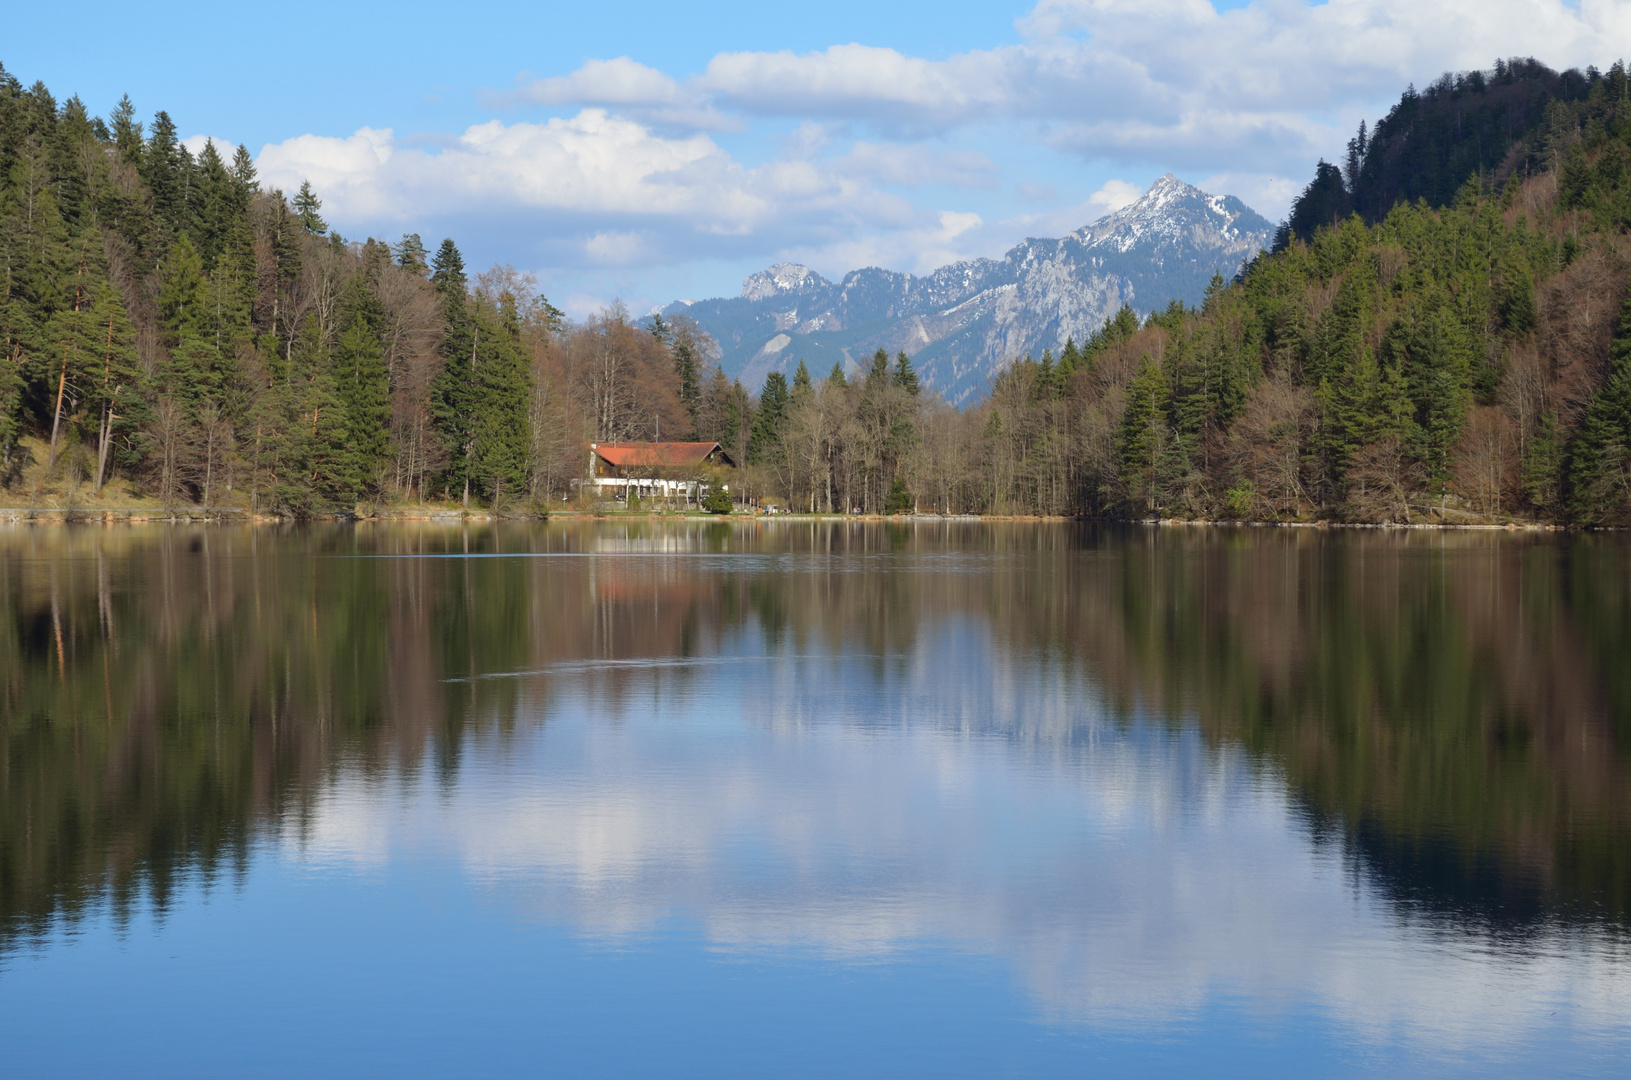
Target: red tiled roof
673 455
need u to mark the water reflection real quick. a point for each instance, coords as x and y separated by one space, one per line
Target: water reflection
1146 768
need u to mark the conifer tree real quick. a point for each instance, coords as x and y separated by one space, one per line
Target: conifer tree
769 419
1144 435
690 384
306 205
1600 459
1070 358
410 254
127 131
502 389
116 392
453 394
905 377
362 386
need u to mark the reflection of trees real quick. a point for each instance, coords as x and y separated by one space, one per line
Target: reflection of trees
1456 706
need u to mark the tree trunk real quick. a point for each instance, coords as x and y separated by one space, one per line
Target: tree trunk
102 449
56 419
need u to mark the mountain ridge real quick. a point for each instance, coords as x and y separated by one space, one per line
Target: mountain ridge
962 322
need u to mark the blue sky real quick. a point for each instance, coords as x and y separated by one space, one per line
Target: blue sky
651 151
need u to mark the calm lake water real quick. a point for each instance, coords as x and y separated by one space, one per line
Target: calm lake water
784 799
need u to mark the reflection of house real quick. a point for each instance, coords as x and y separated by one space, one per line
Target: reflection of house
660 469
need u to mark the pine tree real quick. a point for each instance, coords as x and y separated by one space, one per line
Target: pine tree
503 386
453 393
1144 436
769 420
690 385
905 377
1070 358
320 466
877 376
306 205
363 388
410 254
127 131
899 500
116 392
162 170
1600 456
1543 464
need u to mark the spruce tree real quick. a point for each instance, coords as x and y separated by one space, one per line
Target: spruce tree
306 205
453 393
690 384
765 445
1600 456
503 386
1144 436
410 254
905 377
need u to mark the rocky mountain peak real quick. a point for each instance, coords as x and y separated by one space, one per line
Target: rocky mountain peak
779 279
964 322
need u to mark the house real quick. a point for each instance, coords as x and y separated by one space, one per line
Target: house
662 470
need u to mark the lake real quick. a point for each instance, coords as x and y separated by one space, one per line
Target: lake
812 799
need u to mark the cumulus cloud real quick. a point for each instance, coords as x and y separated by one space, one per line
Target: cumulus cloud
915 165
1174 80
626 84
861 82
1114 195
195 145
613 189
877 161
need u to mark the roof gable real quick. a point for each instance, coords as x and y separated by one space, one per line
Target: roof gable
670 455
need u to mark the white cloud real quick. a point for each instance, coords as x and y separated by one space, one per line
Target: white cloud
1114 195
602 189
1153 877
628 84
1246 98
1176 81
860 81
195 145
910 165
607 82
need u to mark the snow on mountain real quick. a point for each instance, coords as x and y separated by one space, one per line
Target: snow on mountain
963 322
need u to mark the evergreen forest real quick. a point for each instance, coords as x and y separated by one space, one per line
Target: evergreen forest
1442 333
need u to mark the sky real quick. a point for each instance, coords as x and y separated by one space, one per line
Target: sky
649 152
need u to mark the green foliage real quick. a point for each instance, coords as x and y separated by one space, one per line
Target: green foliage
503 385
1145 437
899 500
905 377
1599 469
306 205
717 500
770 419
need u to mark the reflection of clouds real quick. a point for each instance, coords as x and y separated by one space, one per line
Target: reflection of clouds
955 795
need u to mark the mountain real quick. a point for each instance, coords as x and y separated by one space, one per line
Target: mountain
962 322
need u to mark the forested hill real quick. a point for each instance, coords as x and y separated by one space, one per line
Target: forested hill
1517 118
173 332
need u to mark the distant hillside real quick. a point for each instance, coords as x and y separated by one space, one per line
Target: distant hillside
1487 125
964 321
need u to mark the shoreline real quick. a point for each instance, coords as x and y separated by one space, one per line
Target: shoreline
194 515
